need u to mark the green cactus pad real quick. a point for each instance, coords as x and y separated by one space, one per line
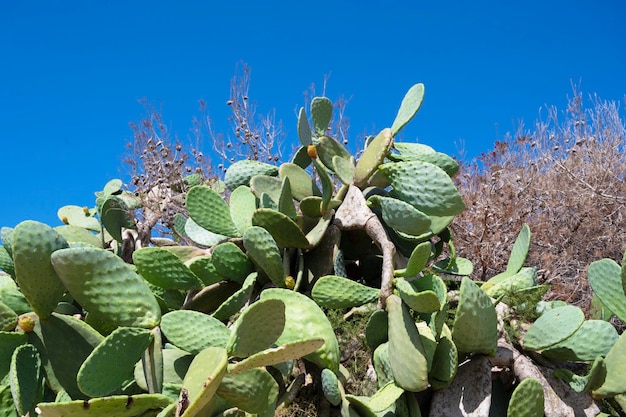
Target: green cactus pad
359 406
409 107
382 365
104 285
373 156
422 301
301 183
285 231
210 211
78 234
327 185
553 326
594 379
419 152
304 130
277 355
385 397
376 330
12 296
54 338
264 184
203 378
176 362
417 261
615 383
445 364
327 148
317 233
7 405
344 169
321 114
425 186
519 251
164 269
337 292
592 339
9 341
33 243
118 405
311 206
401 216
235 302
330 387
76 216
6 235
527 399
202 236
8 318
193 331
203 268
262 249
254 391
285 201
211 298
116 216
605 278
257 328
242 171
25 378
475 323
524 278
242 206
304 317
231 263
407 356
6 262
179 224
110 363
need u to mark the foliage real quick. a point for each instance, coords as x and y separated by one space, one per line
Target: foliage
564 177
239 321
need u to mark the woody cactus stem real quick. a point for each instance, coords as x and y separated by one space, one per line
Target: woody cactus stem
354 214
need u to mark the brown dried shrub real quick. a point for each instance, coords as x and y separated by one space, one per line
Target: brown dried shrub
564 177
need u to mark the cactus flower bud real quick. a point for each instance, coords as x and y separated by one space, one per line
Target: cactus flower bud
311 151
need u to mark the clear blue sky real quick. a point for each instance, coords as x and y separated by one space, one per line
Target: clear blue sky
71 73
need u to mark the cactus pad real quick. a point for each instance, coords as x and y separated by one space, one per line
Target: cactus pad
8 318
376 329
527 399
409 107
301 183
425 186
337 292
262 248
592 339
284 230
210 211
235 302
304 130
254 391
321 114
257 328
104 285
475 323
164 269
330 387
117 405
33 244
425 301
25 378
241 172
553 326
401 216
231 263
277 355
407 356
193 331
203 378
242 206
373 156
614 383
605 278
304 317
110 363
76 216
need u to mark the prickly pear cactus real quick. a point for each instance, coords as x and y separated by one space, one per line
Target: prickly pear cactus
252 307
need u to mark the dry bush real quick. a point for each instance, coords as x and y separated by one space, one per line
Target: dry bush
565 179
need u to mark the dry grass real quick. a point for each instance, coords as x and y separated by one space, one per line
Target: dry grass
565 178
